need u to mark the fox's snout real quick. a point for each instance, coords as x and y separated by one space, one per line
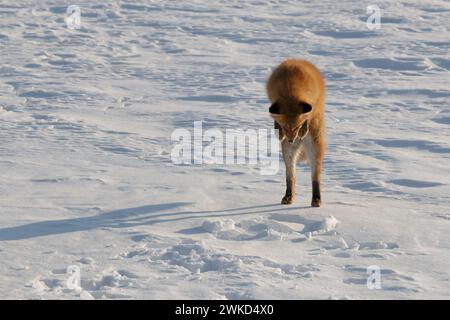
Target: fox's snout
291 135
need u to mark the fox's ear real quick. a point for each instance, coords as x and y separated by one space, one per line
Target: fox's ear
274 108
304 107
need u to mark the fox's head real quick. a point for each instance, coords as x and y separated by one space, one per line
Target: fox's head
292 118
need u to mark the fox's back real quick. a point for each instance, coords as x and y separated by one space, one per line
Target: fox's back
297 80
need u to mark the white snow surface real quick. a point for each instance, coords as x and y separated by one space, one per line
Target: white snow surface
86 178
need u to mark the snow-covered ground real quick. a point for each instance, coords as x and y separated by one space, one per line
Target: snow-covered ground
86 179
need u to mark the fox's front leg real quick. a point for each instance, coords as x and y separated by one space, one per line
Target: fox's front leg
320 151
290 160
315 151
316 198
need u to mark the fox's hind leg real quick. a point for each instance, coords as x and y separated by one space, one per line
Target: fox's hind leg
290 156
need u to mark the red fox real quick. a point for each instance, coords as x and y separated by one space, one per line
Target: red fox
296 90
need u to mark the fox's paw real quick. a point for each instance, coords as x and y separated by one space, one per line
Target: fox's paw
316 203
287 199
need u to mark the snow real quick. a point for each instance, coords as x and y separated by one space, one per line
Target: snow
86 117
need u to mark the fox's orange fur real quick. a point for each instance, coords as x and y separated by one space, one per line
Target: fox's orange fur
297 92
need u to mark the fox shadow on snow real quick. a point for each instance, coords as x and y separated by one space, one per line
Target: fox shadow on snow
131 217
